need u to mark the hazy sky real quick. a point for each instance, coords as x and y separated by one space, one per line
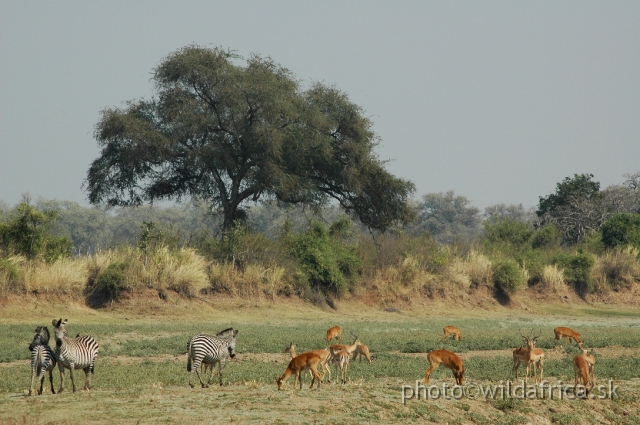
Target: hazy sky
498 101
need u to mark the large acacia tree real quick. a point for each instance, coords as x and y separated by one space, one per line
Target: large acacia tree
227 133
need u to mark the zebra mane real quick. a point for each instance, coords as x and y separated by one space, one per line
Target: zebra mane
40 338
226 332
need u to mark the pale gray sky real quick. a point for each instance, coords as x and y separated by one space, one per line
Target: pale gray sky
498 101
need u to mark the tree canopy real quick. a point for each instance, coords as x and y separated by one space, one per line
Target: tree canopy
447 217
579 207
229 134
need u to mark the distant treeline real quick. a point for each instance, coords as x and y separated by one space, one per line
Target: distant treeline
577 208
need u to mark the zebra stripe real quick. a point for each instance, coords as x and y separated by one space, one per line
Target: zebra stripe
77 353
210 350
43 359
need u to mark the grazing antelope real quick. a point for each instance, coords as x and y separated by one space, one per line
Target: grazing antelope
362 350
569 334
334 332
519 356
581 370
452 330
325 356
534 356
447 359
305 361
341 359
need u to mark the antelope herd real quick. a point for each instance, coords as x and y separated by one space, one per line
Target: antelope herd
528 355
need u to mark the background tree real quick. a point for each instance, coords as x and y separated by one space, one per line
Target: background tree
27 231
579 207
447 217
576 208
228 134
500 212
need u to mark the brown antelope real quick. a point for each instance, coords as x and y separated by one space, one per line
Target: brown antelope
534 356
569 334
452 330
341 359
519 356
362 350
325 356
591 360
335 348
305 361
581 369
334 332
447 359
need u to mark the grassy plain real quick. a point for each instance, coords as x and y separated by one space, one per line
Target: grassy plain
141 373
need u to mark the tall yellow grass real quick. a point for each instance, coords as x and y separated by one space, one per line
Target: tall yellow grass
188 273
553 278
475 269
65 276
617 269
253 280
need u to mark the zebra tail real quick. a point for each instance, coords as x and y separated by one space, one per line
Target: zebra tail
189 356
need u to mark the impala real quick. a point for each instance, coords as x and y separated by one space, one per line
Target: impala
341 358
591 360
519 356
334 332
581 369
305 361
569 334
325 356
335 348
452 330
447 359
362 350
534 356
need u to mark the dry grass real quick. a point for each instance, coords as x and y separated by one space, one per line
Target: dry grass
475 268
444 274
66 276
553 278
254 280
617 269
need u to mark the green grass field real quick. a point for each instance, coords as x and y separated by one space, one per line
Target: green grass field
141 377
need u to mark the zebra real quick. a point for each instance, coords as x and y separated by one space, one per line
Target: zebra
210 350
77 353
43 359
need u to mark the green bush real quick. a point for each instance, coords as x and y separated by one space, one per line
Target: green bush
112 282
592 243
533 260
546 236
9 269
577 271
507 275
27 231
621 229
512 232
327 263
